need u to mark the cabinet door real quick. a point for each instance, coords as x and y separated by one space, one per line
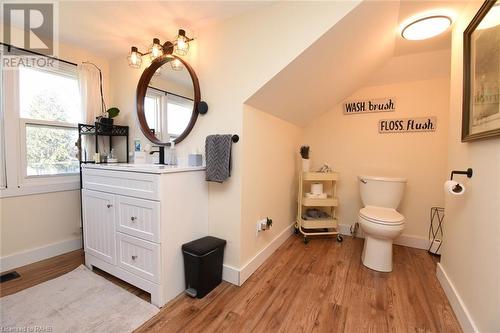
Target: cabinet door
99 225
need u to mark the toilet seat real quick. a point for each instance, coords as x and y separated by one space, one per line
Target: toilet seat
381 215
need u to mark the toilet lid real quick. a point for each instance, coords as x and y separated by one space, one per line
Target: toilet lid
381 215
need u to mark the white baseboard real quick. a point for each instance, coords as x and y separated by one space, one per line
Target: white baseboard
231 274
456 302
405 240
412 241
239 276
40 253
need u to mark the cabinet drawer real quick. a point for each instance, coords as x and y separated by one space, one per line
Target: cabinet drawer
134 184
138 217
139 257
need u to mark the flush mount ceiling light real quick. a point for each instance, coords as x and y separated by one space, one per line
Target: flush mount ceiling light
426 27
492 19
180 46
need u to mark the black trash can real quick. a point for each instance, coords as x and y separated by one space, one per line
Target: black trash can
203 265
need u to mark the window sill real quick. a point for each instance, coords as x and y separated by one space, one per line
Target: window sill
31 189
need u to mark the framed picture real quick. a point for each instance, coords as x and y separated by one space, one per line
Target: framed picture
481 101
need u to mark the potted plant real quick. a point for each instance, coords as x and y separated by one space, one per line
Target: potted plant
306 162
107 122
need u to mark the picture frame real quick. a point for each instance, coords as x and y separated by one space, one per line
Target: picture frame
481 77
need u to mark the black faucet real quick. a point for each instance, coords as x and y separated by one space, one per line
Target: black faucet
161 150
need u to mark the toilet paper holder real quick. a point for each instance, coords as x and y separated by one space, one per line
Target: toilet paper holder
468 172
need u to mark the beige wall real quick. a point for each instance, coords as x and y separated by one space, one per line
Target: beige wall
472 224
28 222
231 68
34 221
269 178
352 145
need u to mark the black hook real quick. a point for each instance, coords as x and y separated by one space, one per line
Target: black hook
468 172
235 138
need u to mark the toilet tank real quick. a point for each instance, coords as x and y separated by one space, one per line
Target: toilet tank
381 191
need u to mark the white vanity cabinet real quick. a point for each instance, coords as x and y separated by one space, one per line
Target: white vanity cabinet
135 219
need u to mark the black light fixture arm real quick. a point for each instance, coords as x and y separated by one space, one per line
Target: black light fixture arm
168 46
468 172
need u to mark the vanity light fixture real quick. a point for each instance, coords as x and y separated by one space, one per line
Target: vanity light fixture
155 50
176 65
134 58
180 46
426 27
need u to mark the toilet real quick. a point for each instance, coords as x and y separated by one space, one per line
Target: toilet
379 220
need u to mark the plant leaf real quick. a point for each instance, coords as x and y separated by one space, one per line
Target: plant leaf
113 112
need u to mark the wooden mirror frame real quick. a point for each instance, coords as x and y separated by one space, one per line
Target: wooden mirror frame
142 88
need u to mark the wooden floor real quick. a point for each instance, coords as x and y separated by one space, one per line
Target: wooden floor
321 287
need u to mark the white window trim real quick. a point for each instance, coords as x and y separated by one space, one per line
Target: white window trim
158 97
18 184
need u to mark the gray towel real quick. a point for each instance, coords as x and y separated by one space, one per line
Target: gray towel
218 157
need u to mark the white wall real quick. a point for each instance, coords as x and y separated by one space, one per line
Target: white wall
352 145
269 183
45 220
471 244
233 59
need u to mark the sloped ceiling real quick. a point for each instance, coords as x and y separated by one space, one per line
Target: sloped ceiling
334 66
348 56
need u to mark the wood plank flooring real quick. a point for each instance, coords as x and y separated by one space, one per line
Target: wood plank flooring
319 287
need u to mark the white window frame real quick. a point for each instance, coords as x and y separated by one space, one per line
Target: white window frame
18 182
179 101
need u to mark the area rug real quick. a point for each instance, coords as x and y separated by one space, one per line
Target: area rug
79 301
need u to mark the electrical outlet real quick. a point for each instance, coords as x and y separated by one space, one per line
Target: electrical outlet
264 224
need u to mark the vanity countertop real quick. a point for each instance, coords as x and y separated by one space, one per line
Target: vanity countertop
143 168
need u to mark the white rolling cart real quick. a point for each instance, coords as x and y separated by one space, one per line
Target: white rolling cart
325 225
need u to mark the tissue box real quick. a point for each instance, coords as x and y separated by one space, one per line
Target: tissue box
195 160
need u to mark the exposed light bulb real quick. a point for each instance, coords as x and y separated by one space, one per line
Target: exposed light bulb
426 27
156 49
176 65
182 45
134 58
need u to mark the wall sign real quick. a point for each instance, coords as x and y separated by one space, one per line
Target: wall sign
370 105
400 125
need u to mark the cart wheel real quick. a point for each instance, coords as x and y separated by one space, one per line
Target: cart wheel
306 240
296 229
339 238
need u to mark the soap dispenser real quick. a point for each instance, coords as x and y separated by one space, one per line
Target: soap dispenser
171 156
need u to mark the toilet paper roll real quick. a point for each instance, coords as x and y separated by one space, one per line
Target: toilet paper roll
454 187
317 188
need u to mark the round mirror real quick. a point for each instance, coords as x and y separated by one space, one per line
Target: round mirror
168 95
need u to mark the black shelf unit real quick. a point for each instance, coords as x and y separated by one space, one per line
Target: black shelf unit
99 129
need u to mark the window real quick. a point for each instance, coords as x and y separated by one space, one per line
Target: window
42 110
167 114
179 113
49 107
152 112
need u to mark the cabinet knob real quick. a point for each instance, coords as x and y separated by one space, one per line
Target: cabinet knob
109 205
134 257
133 218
